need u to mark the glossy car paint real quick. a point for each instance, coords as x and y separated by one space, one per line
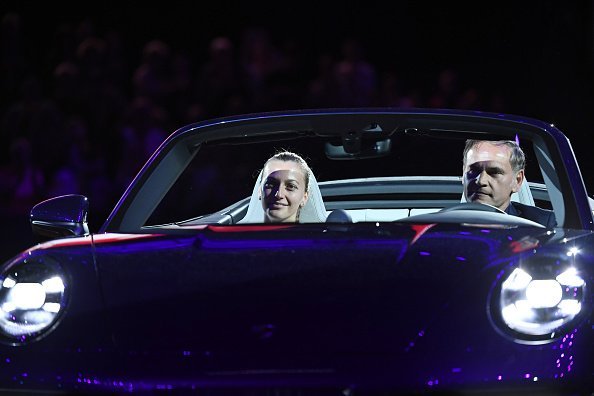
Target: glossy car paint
389 307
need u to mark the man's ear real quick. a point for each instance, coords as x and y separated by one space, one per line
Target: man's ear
518 181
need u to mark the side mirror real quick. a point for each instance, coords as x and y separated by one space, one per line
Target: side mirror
62 216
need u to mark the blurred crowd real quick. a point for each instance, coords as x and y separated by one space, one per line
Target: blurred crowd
85 114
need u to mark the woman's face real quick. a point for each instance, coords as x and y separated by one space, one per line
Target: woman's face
283 191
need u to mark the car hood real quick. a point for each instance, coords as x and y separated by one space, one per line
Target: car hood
375 303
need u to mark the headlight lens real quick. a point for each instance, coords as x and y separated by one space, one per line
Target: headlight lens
32 298
537 303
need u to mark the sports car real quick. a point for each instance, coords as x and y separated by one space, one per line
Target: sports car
390 283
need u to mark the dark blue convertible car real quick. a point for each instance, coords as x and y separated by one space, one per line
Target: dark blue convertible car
389 284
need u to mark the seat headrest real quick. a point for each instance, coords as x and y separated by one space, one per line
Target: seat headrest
314 210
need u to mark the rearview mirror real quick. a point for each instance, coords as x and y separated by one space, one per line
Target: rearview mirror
365 149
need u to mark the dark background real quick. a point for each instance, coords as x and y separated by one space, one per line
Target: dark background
86 96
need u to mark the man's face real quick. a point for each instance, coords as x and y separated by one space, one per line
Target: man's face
488 175
283 191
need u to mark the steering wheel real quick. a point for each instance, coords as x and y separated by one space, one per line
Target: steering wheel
474 206
463 214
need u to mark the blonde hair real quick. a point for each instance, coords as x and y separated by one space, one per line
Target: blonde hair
287 156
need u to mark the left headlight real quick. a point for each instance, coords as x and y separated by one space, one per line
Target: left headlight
537 302
32 298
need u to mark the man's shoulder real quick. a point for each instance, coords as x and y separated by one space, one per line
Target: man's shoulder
545 217
523 208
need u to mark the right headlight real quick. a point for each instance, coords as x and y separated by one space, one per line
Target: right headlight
32 299
537 301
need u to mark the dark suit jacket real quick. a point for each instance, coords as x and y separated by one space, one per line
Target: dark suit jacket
542 216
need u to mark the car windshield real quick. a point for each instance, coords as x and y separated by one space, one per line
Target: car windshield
223 174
